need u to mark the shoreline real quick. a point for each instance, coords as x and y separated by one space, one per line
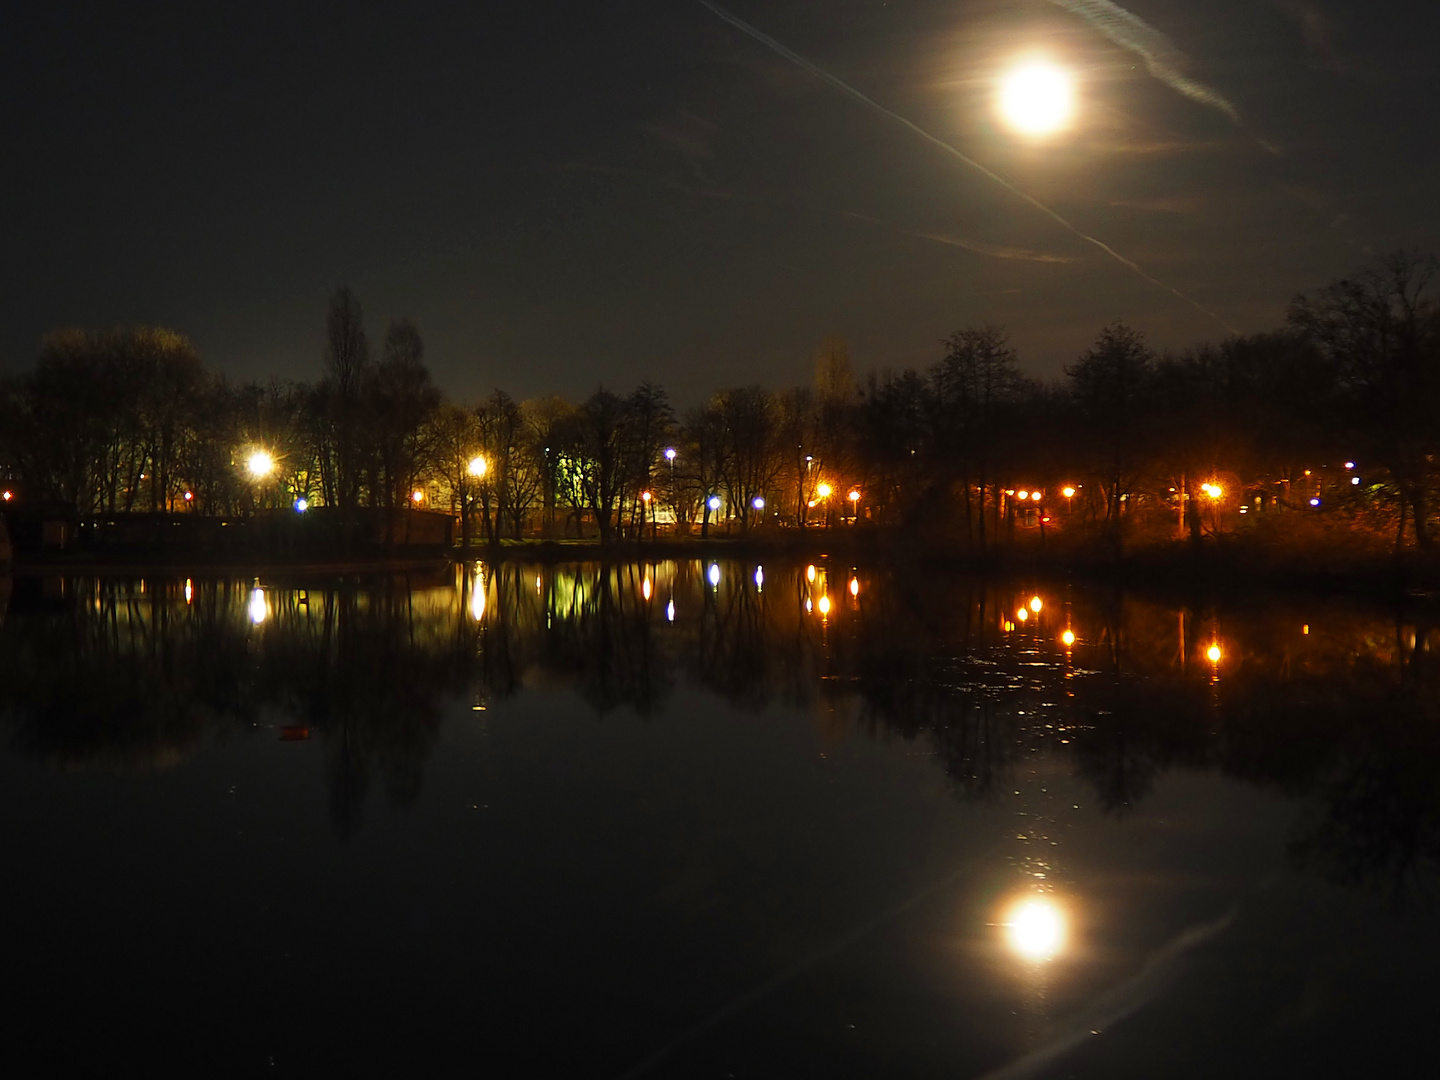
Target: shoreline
1156 568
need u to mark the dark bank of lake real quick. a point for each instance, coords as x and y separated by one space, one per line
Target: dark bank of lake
715 818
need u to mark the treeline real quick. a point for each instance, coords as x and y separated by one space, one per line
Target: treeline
1334 411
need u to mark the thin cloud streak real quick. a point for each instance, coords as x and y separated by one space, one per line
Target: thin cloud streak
992 250
845 88
1162 59
979 247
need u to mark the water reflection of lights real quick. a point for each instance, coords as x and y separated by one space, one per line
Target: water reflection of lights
810 573
189 590
1036 604
1022 614
759 577
854 586
259 609
809 605
1214 654
1035 928
670 611
1068 638
645 588
477 597
714 574
824 605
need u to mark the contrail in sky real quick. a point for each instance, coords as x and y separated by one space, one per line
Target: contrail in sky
1162 59
845 88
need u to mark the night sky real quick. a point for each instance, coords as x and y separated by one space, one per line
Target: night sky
564 194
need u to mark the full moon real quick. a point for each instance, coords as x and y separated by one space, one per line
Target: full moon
1037 98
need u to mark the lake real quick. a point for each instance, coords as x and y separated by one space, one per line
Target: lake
715 819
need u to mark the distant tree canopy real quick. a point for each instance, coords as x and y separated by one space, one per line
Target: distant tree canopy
130 420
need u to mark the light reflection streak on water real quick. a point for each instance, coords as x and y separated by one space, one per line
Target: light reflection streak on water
477 596
258 609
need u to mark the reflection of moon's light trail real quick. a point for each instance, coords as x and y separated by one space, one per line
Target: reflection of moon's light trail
1036 928
845 88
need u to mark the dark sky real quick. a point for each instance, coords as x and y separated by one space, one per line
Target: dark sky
563 194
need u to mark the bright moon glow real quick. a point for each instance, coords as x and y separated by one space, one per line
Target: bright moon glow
1036 929
1037 98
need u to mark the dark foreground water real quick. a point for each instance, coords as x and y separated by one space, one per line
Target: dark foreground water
699 820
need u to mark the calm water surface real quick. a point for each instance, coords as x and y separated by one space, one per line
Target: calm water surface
713 820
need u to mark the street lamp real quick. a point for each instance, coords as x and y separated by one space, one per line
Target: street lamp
477 466
260 464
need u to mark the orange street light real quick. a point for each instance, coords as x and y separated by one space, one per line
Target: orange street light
1068 492
477 467
824 490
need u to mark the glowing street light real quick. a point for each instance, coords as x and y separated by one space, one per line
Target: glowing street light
1213 653
1068 492
824 490
1036 604
713 502
7 496
301 505
670 455
645 497
260 464
758 503
477 467
824 605
854 496
1022 495
417 496
1021 614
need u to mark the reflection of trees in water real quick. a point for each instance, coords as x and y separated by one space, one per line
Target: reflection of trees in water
126 674
109 677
